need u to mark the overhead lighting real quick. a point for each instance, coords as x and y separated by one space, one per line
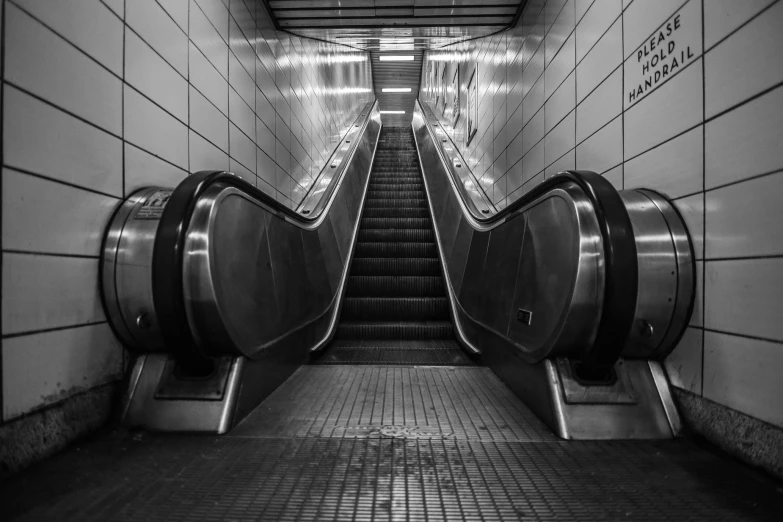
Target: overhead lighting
392 112
395 58
396 89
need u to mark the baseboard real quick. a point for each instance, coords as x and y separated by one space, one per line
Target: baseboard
751 440
41 434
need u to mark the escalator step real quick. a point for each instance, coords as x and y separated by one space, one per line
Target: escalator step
395 194
404 187
392 203
401 222
400 330
413 235
395 181
397 249
396 213
395 309
395 286
395 266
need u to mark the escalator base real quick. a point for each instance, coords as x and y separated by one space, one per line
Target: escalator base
380 443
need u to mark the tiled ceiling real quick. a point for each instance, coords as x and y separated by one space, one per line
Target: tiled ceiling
395 27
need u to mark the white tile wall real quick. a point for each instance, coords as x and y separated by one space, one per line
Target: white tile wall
708 137
45 368
102 98
744 374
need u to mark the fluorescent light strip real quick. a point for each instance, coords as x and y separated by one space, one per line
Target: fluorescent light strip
392 112
396 89
395 58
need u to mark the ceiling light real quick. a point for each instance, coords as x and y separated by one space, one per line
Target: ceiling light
392 112
395 58
396 89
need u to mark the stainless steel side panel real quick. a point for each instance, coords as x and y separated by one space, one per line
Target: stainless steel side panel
533 282
255 281
126 269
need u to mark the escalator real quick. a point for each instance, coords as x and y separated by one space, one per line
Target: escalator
571 295
395 309
395 348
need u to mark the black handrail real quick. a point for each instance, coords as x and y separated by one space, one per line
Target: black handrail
621 277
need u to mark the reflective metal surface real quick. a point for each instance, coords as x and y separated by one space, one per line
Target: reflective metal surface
527 287
545 258
126 269
546 261
616 415
474 199
314 201
250 299
184 413
666 275
252 282
261 287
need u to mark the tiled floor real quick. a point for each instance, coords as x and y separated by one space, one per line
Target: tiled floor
387 443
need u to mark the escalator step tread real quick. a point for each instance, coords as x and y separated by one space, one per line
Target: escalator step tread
395 286
405 187
407 212
395 308
396 222
395 330
393 203
395 194
395 266
413 235
395 249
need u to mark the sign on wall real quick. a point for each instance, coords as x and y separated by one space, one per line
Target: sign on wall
455 97
432 79
443 91
673 46
438 97
471 109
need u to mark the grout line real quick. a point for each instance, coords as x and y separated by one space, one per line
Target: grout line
60 36
61 182
50 254
50 330
743 102
61 109
3 47
576 96
122 108
737 29
622 93
742 258
189 125
704 195
737 182
734 334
